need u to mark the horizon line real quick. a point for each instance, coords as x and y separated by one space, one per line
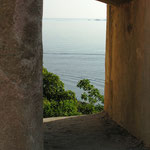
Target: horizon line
79 18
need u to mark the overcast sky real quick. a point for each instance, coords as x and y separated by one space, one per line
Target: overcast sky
74 9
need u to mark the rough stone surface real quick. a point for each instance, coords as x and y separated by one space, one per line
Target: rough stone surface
127 86
20 75
89 132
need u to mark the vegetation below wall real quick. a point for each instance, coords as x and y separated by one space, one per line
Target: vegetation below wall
60 102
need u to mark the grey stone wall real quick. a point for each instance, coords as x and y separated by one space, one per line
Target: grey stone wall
20 75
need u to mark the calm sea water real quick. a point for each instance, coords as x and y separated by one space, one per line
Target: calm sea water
74 49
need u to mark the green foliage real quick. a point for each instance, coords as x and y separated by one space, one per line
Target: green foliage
99 108
57 101
53 87
60 102
91 94
86 108
67 95
61 108
90 97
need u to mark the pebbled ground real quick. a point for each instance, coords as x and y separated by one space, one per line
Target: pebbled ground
90 132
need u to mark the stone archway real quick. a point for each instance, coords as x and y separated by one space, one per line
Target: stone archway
127 96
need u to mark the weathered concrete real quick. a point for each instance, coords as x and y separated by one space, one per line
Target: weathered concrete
89 132
127 87
20 75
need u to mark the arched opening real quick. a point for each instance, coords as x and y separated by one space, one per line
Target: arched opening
74 42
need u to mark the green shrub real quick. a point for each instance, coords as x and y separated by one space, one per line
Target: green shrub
53 87
46 108
59 108
90 97
68 108
99 108
91 94
59 102
86 108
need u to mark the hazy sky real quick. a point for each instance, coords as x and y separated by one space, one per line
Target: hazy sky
74 9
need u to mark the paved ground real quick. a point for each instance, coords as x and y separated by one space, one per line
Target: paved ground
92 132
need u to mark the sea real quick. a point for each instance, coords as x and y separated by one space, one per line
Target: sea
74 49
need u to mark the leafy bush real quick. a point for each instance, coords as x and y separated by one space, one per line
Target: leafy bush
46 108
91 94
90 97
86 108
99 108
61 108
60 102
53 87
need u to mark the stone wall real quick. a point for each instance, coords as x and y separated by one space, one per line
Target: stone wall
20 75
127 86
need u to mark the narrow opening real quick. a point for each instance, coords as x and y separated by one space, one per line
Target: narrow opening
74 34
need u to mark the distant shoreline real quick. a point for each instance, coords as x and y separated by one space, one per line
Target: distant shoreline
75 19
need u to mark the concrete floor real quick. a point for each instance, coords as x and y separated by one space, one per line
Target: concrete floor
91 132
